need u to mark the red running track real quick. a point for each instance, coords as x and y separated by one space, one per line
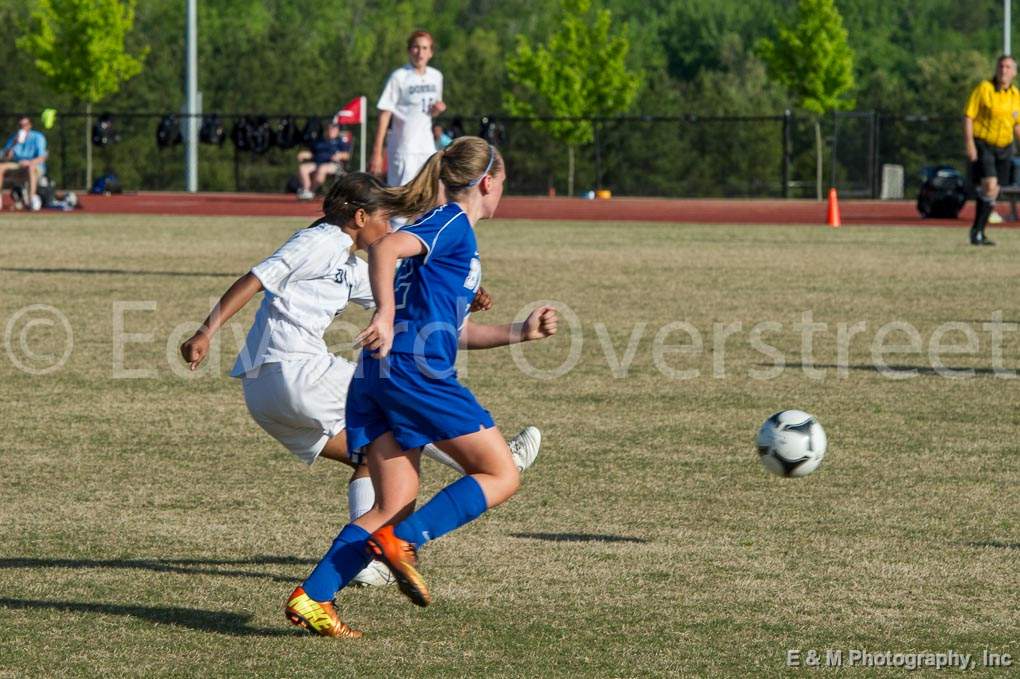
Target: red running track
703 211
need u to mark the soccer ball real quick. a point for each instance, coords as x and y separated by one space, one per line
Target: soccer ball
791 443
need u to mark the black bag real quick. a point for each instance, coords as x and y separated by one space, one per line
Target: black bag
251 133
45 191
943 193
286 134
261 135
312 131
103 132
168 132
211 131
240 134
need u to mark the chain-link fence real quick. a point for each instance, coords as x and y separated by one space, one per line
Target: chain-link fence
667 156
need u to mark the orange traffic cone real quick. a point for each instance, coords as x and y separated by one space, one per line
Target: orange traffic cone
832 216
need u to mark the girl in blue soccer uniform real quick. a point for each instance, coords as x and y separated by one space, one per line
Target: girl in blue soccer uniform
405 392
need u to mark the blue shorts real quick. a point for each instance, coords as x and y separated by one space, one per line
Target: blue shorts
417 407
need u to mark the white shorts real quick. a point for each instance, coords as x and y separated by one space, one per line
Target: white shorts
300 403
402 168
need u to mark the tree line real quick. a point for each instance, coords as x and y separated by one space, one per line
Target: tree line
696 58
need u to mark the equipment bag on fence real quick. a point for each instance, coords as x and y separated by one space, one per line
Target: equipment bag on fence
312 131
286 134
943 193
211 131
168 131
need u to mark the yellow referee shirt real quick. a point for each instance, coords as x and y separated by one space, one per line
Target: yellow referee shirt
995 113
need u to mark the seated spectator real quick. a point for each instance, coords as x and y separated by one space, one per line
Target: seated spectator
24 155
324 160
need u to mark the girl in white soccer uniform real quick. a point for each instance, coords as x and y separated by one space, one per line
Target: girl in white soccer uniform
295 389
413 95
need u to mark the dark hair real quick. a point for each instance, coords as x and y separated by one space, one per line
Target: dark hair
348 193
460 166
995 76
420 34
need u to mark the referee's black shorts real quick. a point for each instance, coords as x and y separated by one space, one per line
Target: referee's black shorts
992 161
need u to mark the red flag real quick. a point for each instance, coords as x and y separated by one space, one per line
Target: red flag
350 114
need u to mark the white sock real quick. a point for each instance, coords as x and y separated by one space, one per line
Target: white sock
360 496
439 456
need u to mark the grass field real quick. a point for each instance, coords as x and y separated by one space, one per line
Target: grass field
150 528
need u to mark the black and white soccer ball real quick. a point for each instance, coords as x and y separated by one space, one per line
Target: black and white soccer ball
791 443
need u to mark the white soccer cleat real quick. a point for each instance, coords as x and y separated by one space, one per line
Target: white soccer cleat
524 447
375 574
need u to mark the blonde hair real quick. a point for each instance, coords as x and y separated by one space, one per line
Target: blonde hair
460 167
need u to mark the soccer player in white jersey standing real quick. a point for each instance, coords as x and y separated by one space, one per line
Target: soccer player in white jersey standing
294 387
413 95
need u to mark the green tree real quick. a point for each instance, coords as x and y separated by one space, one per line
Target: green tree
812 59
79 47
580 73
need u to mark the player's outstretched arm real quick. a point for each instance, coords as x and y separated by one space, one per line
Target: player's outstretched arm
541 323
382 264
195 349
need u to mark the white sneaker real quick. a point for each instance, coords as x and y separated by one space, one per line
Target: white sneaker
375 574
35 203
304 194
995 217
524 447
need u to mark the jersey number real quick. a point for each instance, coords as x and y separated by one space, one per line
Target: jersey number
402 285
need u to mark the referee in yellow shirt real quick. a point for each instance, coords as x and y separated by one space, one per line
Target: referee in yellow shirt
991 120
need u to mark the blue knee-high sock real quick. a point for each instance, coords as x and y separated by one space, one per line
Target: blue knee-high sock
345 559
450 508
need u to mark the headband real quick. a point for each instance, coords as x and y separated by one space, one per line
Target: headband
492 157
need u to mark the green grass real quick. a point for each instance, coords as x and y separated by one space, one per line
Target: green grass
150 528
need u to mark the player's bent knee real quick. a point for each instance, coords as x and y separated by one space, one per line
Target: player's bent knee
500 488
514 480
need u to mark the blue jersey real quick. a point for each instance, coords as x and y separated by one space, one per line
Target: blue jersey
414 392
323 150
31 148
433 291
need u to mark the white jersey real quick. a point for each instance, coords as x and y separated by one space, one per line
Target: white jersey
308 281
410 97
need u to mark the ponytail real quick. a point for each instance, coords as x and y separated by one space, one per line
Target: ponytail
421 193
459 167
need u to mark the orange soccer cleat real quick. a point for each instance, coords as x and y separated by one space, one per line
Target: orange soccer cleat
402 558
318 617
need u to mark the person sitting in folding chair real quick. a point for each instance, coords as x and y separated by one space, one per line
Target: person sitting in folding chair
325 159
24 155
